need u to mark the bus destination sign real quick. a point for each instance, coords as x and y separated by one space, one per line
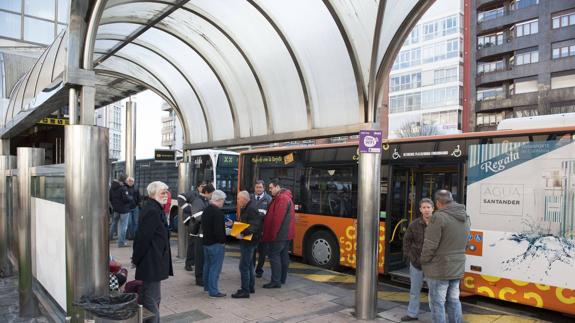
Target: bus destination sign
161 155
370 141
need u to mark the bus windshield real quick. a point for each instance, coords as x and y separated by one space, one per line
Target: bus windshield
226 178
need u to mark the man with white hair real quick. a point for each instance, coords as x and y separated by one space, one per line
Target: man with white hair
151 254
214 239
250 215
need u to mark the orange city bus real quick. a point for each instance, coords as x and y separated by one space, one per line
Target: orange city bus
518 187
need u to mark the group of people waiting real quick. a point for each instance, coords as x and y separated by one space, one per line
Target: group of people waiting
271 222
271 228
124 200
435 246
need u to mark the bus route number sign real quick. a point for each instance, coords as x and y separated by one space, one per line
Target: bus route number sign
370 141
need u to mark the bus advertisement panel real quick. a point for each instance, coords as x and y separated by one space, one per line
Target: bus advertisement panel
521 200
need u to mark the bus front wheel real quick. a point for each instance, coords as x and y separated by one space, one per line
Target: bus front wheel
322 250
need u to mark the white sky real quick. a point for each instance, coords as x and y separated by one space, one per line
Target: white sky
148 124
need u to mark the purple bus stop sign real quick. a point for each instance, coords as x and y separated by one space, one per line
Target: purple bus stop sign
370 141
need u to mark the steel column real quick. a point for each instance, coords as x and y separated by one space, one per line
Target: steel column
6 162
27 157
130 147
73 106
367 236
184 185
87 246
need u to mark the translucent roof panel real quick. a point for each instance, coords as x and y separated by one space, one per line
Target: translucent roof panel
230 62
311 32
270 58
201 76
144 10
358 20
189 101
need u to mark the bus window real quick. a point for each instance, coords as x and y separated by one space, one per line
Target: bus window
227 176
384 187
331 191
203 169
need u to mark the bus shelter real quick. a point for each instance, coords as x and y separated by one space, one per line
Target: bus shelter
236 73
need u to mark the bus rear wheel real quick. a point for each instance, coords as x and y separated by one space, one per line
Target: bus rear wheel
322 250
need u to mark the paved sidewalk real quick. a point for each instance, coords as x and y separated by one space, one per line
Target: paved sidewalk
300 300
9 303
310 295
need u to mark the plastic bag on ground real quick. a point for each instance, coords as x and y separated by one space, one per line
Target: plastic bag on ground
113 307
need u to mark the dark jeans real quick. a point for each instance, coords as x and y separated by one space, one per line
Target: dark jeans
247 266
133 223
151 296
190 259
198 258
261 257
279 260
213 261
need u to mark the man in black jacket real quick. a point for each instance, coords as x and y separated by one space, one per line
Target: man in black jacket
214 239
249 215
151 254
134 207
120 200
199 204
261 200
185 201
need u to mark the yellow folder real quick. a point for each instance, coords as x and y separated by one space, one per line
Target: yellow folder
238 227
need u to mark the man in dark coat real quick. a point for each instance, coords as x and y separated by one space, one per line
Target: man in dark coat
134 207
412 245
151 254
443 256
121 201
199 204
214 229
278 231
185 201
249 215
261 200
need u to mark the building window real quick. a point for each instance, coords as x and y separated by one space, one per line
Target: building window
441 51
488 67
9 25
521 112
526 56
490 40
407 58
490 14
523 85
563 49
527 28
489 119
444 120
490 93
445 75
564 19
440 97
405 82
520 4
563 80
38 31
404 102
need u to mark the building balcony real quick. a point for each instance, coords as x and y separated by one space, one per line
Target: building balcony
562 64
508 102
482 3
510 44
508 19
509 73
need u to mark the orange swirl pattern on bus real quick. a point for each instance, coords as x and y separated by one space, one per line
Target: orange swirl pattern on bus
517 291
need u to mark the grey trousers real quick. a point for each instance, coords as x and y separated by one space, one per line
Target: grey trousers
151 296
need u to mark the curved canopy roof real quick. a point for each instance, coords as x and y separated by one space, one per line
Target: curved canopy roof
236 71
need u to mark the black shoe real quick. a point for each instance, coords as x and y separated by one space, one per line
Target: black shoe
199 283
240 294
189 268
259 275
272 285
252 291
408 318
218 295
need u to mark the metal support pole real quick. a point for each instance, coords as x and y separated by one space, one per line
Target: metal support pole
27 157
88 101
367 236
73 106
184 185
87 246
6 162
130 150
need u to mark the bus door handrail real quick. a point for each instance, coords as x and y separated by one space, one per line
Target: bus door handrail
395 229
